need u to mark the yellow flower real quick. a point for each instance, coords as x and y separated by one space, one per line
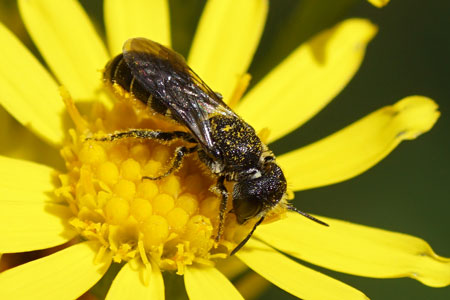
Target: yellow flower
110 214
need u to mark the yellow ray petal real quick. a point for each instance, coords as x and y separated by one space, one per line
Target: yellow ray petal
27 226
226 39
136 18
68 42
356 148
15 174
29 217
308 79
208 283
357 249
21 143
379 3
129 284
27 91
292 277
67 274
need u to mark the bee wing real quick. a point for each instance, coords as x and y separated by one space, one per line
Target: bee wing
165 74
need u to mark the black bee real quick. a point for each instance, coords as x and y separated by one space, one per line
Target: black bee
226 144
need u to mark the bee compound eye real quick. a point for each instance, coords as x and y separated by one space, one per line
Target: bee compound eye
246 210
246 201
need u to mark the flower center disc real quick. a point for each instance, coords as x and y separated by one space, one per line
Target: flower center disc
172 221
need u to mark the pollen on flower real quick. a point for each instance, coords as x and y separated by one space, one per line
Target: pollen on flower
171 222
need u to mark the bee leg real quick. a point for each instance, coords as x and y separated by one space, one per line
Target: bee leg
220 187
180 152
147 134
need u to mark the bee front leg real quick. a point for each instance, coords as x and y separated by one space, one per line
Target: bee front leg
220 188
147 134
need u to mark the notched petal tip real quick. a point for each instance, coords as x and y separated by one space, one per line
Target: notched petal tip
431 269
418 113
354 149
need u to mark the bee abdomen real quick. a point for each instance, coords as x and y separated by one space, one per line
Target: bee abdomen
118 72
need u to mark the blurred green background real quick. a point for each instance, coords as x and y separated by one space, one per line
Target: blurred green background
409 191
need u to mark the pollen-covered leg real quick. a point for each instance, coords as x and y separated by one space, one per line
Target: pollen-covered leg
180 152
147 134
220 188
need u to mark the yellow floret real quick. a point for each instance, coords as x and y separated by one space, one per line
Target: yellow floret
118 153
171 185
147 189
177 218
117 210
108 172
162 204
155 230
210 207
141 209
140 152
131 170
125 188
188 202
152 168
161 154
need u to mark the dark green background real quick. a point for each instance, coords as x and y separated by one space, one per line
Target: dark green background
409 191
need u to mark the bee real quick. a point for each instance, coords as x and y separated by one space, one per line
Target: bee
229 147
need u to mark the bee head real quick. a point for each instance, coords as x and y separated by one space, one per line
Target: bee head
260 191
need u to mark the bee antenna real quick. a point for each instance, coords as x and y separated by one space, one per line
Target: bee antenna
292 208
241 244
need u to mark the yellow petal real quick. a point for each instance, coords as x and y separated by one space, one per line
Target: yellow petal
379 3
68 42
136 18
67 274
23 181
21 143
308 79
208 283
356 148
129 284
226 39
292 277
33 226
357 249
29 217
27 91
